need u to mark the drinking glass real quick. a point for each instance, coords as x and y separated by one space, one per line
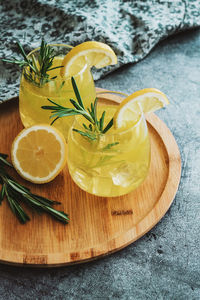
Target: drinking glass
114 164
58 89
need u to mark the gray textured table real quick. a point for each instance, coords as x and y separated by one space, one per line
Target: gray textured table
165 263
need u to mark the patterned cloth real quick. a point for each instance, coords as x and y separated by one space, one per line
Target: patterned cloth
131 28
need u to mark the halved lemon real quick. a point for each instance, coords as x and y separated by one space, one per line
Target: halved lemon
89 53
39 153
146 100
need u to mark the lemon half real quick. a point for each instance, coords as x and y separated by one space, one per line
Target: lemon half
39 153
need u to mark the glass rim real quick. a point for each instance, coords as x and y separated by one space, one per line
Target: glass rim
64 46
118 131
104 138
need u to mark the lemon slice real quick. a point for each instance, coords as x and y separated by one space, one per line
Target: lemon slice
89 54
39 153
130 109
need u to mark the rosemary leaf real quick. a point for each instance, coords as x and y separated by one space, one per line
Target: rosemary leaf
50 107
75 104
15 187
54 121
86 134
101 122
17 209
62 84
5 161
76 91
109 125
95 110
2 193
16 194
3 155
57 68
109 146
56 104
85 126
53 77
59 215
22 215
44 200
22 52
21 187
90 127
64 114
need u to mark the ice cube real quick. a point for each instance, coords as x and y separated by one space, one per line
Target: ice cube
102 186
82 178
128 173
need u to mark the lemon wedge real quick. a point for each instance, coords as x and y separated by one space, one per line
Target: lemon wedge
39 153
89 54
130 109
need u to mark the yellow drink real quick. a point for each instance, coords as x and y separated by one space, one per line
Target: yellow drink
32 97
109 171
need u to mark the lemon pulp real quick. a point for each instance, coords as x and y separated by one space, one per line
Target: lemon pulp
39 153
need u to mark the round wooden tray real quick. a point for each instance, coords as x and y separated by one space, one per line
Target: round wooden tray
98 226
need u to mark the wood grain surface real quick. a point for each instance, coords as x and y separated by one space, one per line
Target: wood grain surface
98 225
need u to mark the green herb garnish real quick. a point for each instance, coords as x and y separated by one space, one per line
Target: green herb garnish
109 146
35 70
95 127
16 194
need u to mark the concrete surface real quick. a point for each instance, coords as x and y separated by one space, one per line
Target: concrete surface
165 263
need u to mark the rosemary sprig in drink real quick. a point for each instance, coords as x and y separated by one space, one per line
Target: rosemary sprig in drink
16 194
96 126
36 70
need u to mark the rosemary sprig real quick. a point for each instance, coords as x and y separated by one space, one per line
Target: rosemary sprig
16 194
95 127
109 146
36 71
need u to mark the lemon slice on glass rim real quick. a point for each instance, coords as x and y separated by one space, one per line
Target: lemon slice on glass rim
146 101
39 153
89 53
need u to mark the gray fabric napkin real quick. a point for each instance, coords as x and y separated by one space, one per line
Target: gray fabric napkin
131 28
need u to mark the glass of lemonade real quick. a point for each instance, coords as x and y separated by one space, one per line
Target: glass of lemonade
58 89
114 164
